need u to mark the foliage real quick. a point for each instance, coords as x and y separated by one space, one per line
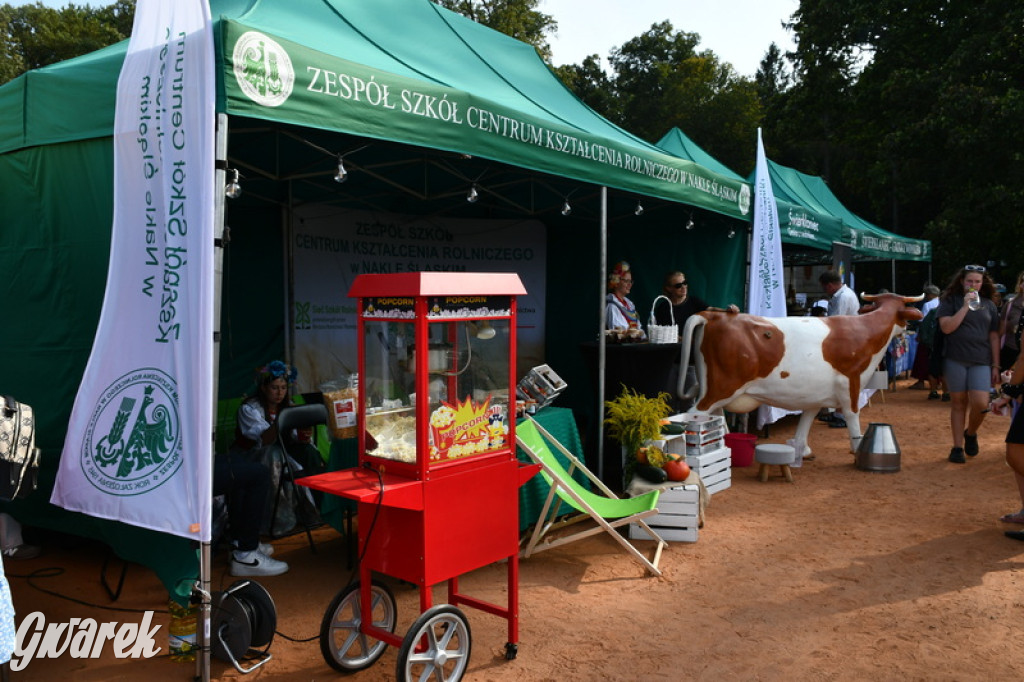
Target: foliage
517 18
633 418
32 36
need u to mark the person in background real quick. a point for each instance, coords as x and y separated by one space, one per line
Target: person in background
620 312
970 322
1010 393
925 341
11 542
1013 305
677 290
842 300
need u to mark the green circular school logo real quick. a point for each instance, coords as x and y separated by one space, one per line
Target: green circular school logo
263 69
132 443
744 199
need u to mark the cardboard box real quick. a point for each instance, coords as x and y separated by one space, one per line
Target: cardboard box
677 518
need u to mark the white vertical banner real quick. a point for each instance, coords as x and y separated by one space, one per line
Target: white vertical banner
138 447
767 295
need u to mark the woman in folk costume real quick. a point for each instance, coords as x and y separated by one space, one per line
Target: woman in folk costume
620 312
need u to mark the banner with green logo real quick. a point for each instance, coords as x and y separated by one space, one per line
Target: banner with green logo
272 78
138 445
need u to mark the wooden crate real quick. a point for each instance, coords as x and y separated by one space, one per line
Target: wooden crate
713 467
677 518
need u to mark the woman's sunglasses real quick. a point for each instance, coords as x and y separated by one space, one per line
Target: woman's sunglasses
974 268
679 285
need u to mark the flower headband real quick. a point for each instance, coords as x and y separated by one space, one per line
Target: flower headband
618 272
276 370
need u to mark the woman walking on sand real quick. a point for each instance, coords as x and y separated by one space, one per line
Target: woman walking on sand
970 321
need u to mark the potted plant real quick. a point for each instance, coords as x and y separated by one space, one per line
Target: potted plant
632 420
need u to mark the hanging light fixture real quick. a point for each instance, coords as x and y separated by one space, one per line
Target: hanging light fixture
472 195
232 190
341 174
689 223
732 233
639 210
566 208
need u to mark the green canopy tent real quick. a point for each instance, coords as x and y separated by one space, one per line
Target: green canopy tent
420 104
806 232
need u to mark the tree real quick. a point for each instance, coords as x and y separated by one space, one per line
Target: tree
32 36
517 18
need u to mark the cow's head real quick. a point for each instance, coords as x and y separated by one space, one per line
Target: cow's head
895 305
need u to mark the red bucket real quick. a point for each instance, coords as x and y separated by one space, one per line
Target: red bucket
742 446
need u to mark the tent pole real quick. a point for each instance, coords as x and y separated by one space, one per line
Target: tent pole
287 228
221 154
893 290
601 335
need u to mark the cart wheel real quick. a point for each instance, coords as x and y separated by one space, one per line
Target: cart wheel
344 646
436 647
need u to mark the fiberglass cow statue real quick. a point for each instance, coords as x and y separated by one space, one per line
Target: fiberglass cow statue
795 363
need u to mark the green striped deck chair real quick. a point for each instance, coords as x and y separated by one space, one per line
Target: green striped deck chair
607 510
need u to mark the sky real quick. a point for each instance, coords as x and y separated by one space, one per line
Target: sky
739 31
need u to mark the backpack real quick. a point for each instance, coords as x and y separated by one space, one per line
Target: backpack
927 329
19 456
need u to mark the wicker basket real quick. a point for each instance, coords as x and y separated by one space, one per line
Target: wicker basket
662 333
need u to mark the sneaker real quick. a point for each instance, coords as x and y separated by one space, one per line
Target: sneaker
264 548
250 564
946 398
934 395
970 444
22 552
956 455
837 422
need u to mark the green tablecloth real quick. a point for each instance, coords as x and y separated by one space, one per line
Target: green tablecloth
559 422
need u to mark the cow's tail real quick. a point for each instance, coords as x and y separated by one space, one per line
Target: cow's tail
693 334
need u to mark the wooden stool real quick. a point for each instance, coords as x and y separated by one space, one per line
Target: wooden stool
774 453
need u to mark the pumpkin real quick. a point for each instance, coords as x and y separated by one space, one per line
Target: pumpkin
677 470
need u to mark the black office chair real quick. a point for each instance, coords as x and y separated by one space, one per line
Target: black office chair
290 418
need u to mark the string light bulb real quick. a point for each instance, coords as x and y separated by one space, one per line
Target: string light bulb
566 208
232 190
639 210
472 195
341 174
689 223
732 233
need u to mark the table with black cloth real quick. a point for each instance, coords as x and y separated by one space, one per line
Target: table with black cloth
558 421
643 367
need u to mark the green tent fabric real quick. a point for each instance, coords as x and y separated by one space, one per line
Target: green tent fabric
799 225
868 241
56 193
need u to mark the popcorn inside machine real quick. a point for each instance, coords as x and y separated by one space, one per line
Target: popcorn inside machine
438 479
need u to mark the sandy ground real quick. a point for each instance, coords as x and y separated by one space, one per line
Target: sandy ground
842 575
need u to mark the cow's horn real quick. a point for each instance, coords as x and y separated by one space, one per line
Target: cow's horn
913 299
867 297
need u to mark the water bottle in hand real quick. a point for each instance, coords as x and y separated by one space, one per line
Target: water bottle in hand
973 300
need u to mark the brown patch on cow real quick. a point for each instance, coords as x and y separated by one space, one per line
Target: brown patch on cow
737 349
784 375
853 340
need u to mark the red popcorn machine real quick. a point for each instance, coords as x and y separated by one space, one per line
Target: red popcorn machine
438 480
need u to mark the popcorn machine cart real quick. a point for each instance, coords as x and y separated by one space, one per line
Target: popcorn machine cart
438 480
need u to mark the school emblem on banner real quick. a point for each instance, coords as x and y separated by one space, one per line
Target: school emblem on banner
133 440
263 69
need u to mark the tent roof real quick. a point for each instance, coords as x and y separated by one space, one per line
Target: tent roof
800 227
868 241
405 71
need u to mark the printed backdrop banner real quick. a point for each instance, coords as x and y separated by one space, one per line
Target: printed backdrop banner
333 246
138 446
767 296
